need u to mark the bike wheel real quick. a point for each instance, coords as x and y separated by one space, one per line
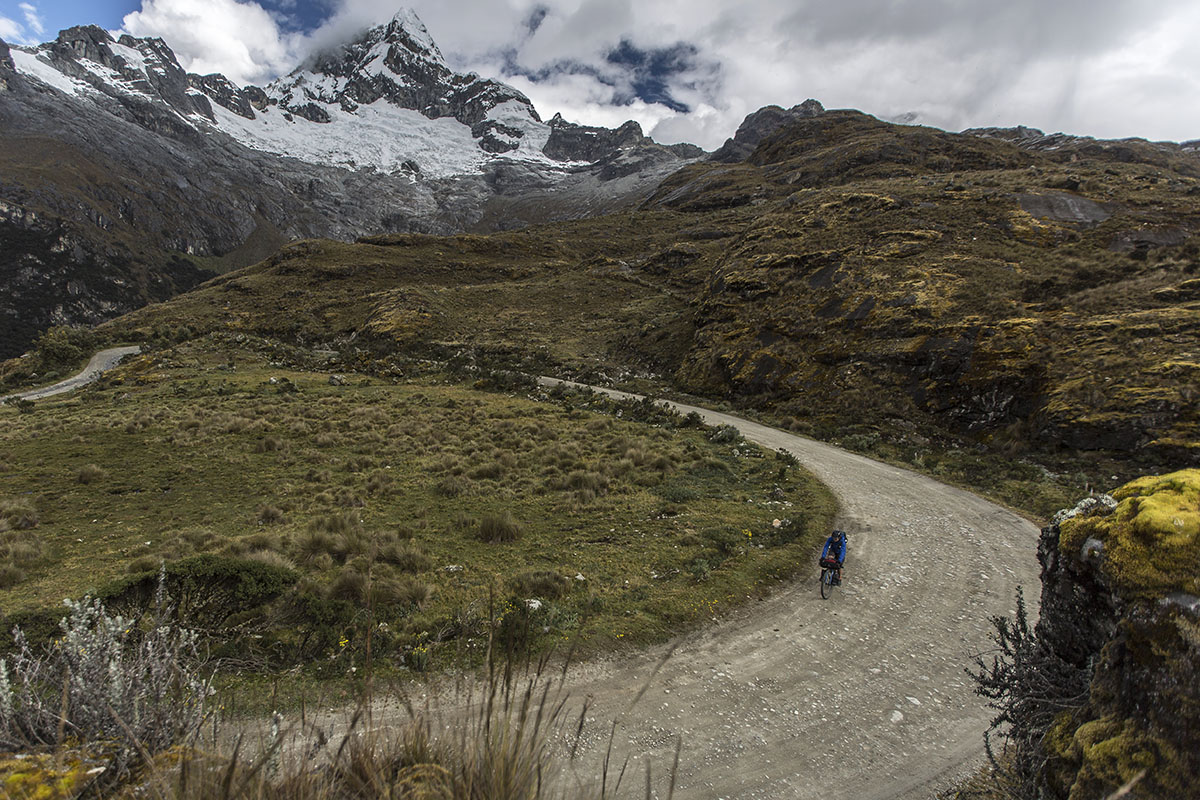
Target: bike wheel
826 583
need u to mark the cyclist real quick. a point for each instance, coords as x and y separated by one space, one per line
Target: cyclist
834 555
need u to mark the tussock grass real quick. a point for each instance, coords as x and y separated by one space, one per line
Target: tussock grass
18 515
405 511
498 528
90 473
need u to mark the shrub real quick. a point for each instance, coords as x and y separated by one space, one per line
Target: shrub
139 688
143 564
210 589
500 527
725 434
89 474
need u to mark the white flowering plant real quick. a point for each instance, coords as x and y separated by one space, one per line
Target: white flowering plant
137 686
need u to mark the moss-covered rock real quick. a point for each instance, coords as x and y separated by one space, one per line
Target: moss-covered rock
1119 585
1151 542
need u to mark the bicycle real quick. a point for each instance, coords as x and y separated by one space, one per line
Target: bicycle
829 569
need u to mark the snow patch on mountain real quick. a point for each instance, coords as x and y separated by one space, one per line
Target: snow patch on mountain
380 135
27 63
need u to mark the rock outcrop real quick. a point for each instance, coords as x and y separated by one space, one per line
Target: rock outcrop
761 124
1121 598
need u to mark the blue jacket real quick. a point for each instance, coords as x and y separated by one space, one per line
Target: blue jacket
841 551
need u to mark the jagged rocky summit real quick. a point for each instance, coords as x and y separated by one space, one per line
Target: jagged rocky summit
126 179
386 100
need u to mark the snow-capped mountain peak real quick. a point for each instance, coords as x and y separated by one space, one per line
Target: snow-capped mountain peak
385 100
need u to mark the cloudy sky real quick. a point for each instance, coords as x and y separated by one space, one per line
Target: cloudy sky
690 70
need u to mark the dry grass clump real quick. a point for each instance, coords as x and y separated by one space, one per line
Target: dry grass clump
268 514
499 528
343 496
490 472
271 558
269 444
453 486
10 575
18 515
544 583
90 473
404 555
380 483
19 550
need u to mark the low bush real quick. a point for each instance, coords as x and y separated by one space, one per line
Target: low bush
138 687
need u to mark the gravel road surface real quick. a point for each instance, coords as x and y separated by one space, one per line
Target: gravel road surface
860 696
100 363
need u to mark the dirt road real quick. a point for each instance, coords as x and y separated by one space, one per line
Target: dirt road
100 363
860 696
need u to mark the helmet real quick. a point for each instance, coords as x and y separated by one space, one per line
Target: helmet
839 535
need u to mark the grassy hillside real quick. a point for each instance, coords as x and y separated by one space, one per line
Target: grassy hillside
1004 317
419 510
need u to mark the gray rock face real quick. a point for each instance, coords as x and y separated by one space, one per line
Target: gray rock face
1064 207
222 92
759 126
7 68
400 64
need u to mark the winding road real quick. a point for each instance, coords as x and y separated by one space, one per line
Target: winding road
861 696
99 363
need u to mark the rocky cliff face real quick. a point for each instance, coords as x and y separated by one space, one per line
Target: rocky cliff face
1121 599
163 176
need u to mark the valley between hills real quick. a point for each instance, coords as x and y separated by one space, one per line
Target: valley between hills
334 456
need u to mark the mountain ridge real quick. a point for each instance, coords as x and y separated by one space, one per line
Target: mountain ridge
108 136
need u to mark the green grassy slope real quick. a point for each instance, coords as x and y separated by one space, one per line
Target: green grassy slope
920 295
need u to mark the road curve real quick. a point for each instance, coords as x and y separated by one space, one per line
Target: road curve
100 363
862 696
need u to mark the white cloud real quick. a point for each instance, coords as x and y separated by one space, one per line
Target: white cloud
11 31
32 18
1101 67
239 39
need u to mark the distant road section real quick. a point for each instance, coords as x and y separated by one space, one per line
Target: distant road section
101 362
